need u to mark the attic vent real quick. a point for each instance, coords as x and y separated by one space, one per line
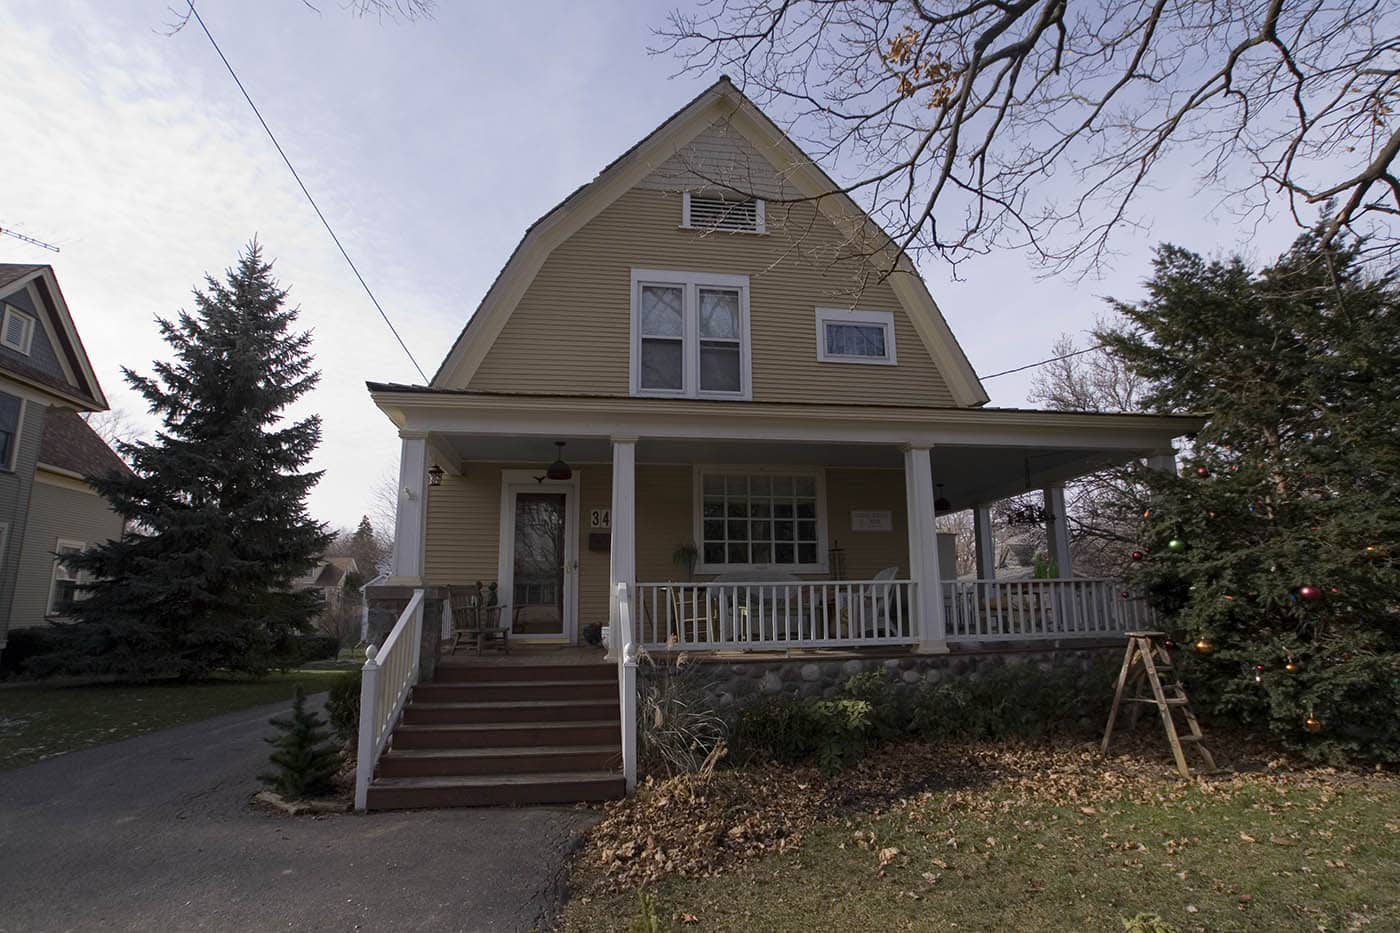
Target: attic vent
16 329
709 212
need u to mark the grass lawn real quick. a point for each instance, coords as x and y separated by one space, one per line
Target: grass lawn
1065 845
40 722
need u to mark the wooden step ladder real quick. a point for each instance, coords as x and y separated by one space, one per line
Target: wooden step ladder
1145 661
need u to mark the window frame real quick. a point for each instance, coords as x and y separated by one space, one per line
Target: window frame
690 284
698 474
760 217
7 465
77 578
884 319
29 324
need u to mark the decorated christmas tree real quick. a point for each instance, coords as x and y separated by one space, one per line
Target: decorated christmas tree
304 757
215 506
1274 554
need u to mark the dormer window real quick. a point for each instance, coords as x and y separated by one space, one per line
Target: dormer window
17 330
690 334
845 336
725 212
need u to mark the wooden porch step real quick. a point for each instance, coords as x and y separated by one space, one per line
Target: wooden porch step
599 731
556 688
442 762
494 790
506 711
452 671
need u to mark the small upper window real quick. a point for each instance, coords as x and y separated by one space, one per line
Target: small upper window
716 212
17 330
10 407
690 334
855 336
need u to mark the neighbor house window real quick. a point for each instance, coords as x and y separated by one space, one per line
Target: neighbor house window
16 330
760 519
690 334
11 412
64 590
855 336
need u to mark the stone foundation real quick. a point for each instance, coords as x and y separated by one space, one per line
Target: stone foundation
733 682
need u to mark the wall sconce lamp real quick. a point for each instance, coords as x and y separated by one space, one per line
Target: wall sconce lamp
435 475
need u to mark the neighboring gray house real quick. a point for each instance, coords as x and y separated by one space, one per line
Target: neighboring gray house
46 507
329 576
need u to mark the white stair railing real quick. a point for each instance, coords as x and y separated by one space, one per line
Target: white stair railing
388 676
625 650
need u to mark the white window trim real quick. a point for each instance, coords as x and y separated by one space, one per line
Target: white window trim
698 516
884 319
760 218
28 341
691 283
4 542
50 609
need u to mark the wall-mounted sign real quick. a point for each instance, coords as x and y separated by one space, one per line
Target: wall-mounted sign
872 520
600 519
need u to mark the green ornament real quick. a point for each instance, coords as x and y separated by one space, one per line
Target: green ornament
1176 545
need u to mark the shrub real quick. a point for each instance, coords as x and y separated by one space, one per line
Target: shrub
833 732
23 644
296 650
1017 701
304 762
888 715
679 732
343 706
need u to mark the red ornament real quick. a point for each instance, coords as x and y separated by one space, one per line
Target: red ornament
1137 555
1310 593
1124 595
1202 472
1333 590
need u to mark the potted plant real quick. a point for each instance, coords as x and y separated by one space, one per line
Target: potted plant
685 558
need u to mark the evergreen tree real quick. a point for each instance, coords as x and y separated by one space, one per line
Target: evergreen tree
305 759
217 526
366 548
1274 552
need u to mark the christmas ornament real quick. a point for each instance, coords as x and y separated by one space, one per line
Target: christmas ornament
1147 513
1310 593
1123 595
1210 514
1333 590
1176 545
1137 555
1291 667
1312 724
1203 646
1168 644
1258 673
1202 472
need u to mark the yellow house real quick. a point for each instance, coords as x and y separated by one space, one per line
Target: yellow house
707 404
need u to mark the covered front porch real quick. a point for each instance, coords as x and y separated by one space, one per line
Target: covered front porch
728 532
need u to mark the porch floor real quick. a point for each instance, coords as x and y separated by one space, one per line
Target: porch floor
524 655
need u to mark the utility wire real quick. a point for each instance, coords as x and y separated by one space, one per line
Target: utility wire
1053 359
314 206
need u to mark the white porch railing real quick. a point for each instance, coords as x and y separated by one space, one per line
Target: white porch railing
389 674
756 616
625 650
977 610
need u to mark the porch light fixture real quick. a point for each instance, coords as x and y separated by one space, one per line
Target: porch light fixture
558 470
941 504
435 475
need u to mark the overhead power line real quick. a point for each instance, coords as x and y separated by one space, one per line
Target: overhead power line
312 201
1053 359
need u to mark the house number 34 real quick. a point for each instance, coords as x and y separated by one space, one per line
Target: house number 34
600 519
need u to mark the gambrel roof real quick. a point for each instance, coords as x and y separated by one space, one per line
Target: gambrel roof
656 156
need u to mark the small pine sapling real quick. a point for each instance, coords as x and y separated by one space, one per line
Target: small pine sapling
304 757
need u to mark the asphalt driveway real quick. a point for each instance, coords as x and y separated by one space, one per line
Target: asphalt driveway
156 833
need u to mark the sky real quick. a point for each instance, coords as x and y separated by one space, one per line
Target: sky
430 146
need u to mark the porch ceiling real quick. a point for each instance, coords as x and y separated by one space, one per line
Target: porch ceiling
969 474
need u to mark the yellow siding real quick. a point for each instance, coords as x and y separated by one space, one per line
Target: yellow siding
464 525
570 332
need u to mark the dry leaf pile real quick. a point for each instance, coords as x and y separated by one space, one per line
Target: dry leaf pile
699 825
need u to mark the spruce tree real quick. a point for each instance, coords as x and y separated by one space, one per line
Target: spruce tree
305 759
215 505
1275 553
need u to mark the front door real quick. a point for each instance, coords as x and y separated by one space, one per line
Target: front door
538 557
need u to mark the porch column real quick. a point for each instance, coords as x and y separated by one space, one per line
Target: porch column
1057 531
624 530
410 518
923 548
984 543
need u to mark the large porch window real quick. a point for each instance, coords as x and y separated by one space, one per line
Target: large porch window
749 519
